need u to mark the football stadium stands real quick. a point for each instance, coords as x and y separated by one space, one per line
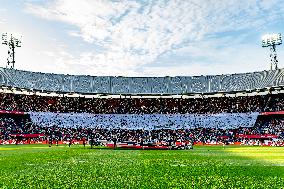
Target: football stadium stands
253 118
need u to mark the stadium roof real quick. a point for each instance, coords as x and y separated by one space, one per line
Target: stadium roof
110 85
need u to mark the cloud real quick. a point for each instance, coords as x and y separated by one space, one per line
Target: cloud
249 60
2 19
134 34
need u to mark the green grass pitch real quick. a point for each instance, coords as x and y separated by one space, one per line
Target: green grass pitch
38 166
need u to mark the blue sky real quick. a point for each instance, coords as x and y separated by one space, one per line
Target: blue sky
140 37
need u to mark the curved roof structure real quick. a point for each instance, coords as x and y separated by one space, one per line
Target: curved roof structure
140 85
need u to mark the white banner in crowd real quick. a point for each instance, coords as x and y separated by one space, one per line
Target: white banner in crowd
145 121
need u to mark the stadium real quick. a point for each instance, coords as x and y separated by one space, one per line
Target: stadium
235 109
82 131
142 113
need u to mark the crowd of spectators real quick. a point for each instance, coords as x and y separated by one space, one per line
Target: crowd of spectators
12 125
16 124
275 103
272 125
241 104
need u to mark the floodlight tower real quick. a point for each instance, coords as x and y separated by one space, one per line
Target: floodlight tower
271 40
12 42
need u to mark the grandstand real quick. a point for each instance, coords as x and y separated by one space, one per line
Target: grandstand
234 109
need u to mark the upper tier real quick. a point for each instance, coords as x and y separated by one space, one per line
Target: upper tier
140 85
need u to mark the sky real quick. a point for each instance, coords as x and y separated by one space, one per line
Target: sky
141 37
